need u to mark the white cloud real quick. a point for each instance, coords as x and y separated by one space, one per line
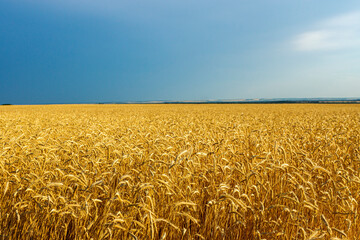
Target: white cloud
339 32
346 20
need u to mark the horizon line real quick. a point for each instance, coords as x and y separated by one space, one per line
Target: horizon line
324 100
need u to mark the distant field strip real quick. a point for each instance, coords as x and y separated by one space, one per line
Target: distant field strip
180 171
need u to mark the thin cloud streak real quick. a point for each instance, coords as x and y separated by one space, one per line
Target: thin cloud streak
340 32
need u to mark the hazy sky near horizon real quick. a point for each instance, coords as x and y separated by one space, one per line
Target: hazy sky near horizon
87 51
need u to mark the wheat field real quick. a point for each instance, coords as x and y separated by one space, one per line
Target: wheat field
180 171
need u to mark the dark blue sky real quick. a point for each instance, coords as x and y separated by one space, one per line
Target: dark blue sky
77 51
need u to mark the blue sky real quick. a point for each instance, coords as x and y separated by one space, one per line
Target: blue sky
77 51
